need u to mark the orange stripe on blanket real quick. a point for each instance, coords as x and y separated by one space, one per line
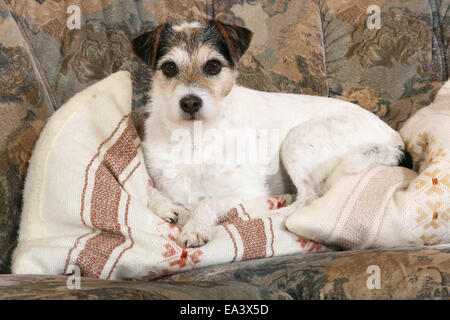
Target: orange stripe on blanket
251 232
83 195
105 206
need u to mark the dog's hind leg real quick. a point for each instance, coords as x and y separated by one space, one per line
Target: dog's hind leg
303 152
317 153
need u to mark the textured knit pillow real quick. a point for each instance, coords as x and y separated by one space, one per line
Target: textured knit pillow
391 206
85 202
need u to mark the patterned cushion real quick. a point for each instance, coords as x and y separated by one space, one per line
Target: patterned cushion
393 71
24 108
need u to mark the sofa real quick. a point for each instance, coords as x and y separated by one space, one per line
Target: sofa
317 47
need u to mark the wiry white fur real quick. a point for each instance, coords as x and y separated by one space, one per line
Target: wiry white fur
321 139
183 25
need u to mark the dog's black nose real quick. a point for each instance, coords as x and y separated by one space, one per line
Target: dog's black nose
191 104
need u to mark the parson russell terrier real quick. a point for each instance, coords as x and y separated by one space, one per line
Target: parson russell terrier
318 139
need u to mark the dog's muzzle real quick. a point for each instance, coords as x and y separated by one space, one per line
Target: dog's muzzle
191 104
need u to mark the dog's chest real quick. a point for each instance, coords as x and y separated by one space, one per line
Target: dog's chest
188 182
205 181
196 182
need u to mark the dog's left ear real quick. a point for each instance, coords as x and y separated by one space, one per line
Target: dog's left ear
237 39
146 45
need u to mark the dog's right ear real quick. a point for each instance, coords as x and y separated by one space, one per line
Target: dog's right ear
146 45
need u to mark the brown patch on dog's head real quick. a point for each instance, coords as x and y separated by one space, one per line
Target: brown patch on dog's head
197 57
231 41
192 44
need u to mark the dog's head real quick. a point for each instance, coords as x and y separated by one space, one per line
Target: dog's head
194 67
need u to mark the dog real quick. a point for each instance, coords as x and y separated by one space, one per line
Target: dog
194 72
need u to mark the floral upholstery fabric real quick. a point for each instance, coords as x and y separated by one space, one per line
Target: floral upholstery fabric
24 107
405 273
319 47
393 71
65 288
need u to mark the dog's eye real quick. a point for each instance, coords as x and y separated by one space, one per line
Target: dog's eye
213 67
169 69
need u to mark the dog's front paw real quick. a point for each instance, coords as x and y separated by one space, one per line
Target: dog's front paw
170 212
194 234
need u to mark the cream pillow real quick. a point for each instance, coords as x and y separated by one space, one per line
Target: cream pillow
390 206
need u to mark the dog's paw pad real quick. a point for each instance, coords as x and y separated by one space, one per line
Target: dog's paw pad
170 213
194 236
173 221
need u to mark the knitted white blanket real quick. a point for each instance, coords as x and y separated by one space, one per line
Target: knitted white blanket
86 193
85 202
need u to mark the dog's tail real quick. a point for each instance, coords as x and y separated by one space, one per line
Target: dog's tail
406 160
367 156
363 157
